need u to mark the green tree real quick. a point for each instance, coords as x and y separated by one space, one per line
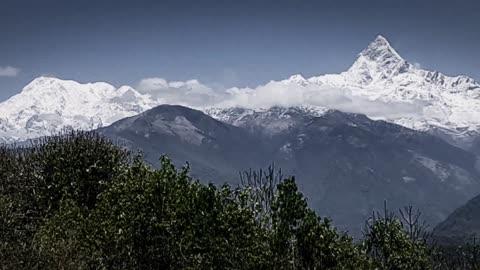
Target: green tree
393 246
302 240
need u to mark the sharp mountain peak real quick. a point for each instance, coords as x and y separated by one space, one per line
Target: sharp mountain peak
380 47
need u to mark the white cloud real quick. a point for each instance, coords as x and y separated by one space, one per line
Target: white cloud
417 65
9 71
194 94
152 84
190 93
293 94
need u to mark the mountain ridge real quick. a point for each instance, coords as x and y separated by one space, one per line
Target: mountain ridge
447 106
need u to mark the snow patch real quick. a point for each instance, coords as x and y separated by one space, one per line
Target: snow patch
408 179
436 167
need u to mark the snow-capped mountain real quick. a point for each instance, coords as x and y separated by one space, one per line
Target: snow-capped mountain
447 106
269 121
380 73
48 105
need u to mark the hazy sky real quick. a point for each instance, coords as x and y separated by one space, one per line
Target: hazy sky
225 43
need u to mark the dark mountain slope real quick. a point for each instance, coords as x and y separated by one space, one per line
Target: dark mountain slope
216 151
346 164
462 225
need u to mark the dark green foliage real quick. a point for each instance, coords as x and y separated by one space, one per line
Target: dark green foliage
35 180
151 219
302 240
399 243
390 246
299 239
77 201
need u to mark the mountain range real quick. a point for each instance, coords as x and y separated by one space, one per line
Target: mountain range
382 130
380 84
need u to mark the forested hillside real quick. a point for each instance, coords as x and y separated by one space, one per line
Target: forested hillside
78 201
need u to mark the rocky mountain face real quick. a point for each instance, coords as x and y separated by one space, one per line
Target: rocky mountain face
346 164
272 121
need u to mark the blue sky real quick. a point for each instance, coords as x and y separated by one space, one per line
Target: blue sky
225 43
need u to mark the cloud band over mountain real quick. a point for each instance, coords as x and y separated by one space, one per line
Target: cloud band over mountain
285 93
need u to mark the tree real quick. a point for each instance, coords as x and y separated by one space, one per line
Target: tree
303 240
393 246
